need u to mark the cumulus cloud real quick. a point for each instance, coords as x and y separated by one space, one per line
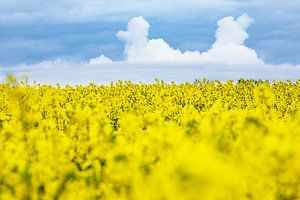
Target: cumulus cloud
139 48
136 37
147 59
228 48
231 31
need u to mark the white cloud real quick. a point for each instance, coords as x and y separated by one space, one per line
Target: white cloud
139 48
147 59
228 48
231 31
100 60
136 37
61 11
82 10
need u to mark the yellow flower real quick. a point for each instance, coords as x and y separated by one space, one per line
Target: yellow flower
203 140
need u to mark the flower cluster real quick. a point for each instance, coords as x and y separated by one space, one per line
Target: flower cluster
203 140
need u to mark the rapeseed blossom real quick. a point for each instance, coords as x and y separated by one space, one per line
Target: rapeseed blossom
203 140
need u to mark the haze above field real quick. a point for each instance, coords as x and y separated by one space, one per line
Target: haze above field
84 41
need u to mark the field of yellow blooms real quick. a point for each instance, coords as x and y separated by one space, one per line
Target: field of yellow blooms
204 140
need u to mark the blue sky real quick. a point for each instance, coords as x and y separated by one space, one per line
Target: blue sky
32 31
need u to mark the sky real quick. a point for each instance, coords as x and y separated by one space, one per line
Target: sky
78 41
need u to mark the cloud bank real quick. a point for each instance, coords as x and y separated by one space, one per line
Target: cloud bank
146 59
60 11
228 49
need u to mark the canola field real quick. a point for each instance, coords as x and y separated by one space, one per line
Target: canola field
163 141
